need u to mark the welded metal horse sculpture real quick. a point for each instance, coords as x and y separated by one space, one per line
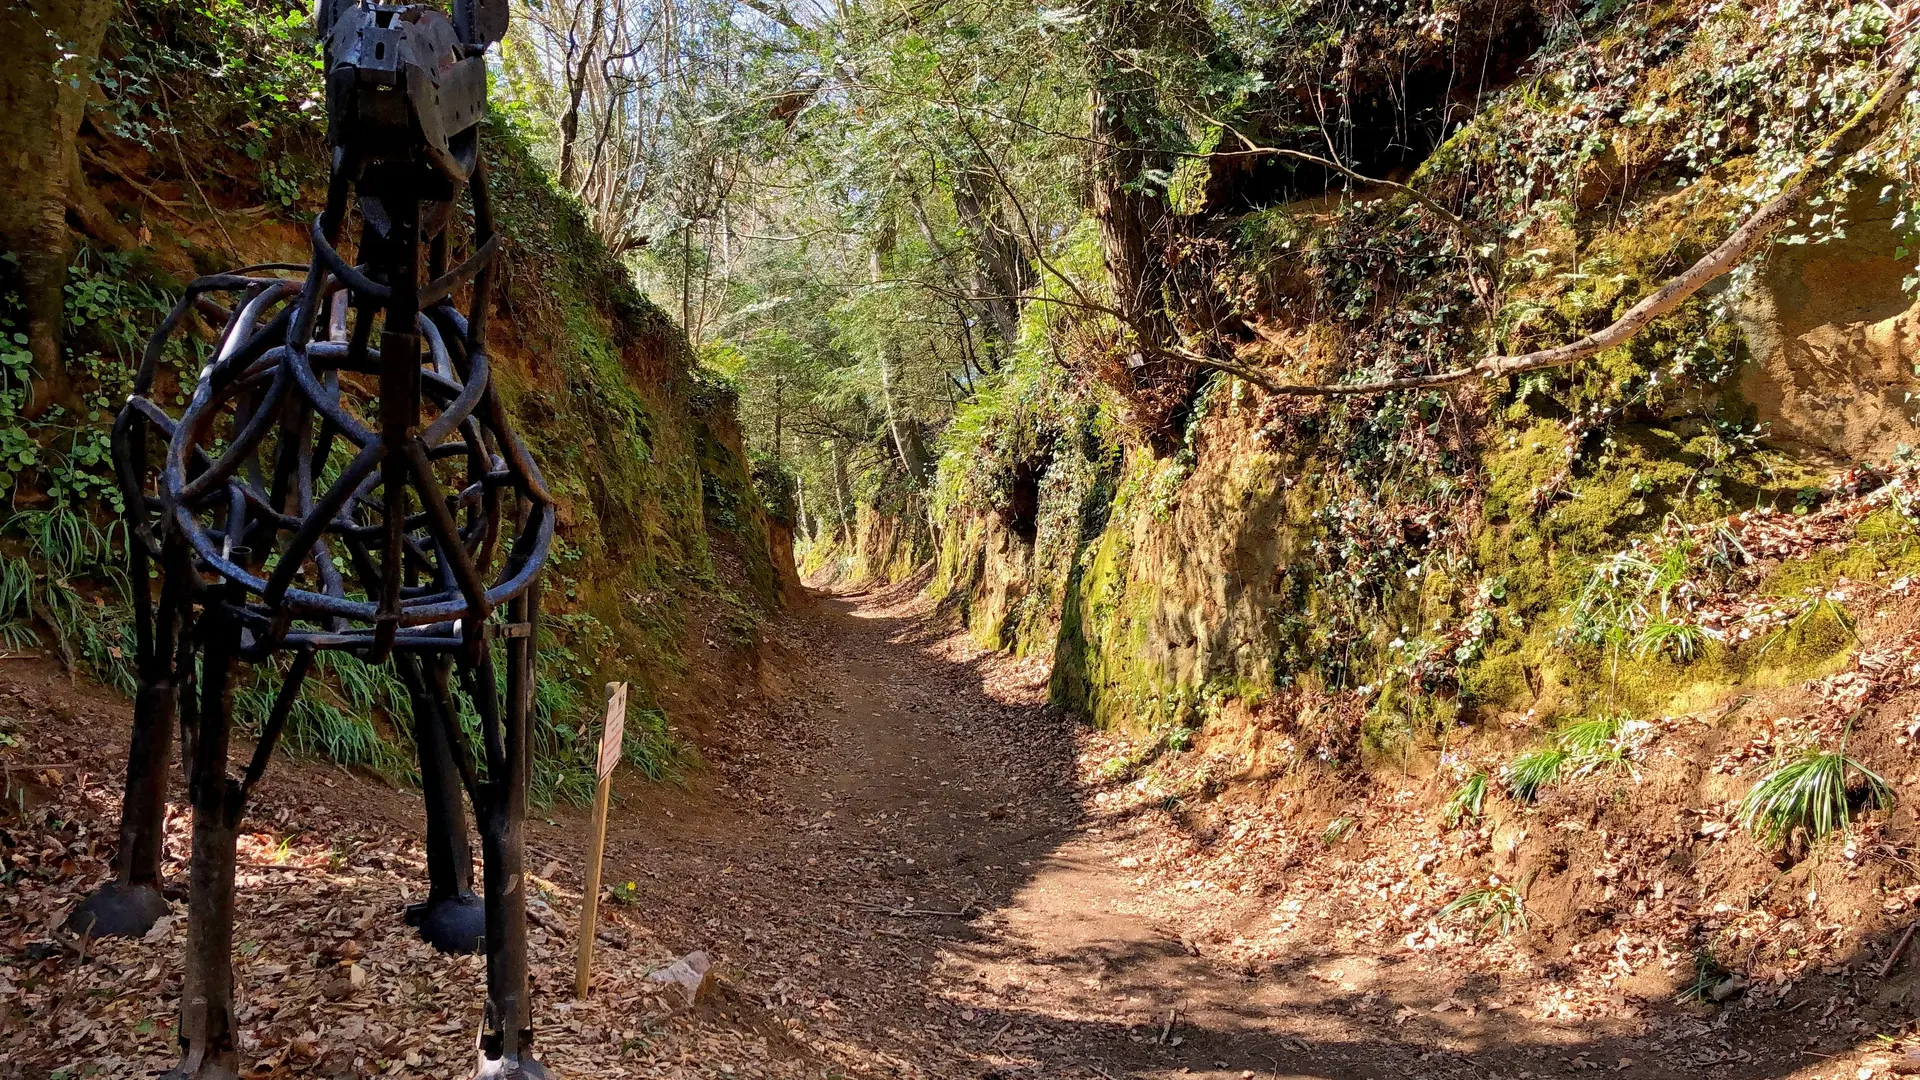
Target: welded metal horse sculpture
319 493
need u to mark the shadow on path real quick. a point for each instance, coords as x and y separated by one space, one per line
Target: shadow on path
918 880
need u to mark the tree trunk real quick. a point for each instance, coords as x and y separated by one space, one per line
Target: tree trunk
1135 142
843 492
47 52
1001 271
779 402
576 86
902 430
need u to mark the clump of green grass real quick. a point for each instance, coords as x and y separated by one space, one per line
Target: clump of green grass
1809 792
1586 738
1491 905
1534 771
1682 641
1597 744
1469 800
1338 829
1581 748
1634 601
1803 623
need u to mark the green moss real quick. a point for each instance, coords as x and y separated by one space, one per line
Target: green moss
1529 484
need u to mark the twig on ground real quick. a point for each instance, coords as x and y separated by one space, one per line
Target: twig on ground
1899 948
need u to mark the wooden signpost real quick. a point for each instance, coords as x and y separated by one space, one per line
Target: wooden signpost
612 730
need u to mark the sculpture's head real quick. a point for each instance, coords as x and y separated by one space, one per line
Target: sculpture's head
406 85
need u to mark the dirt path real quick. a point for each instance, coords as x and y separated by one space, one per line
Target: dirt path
912 875
917 872
912 870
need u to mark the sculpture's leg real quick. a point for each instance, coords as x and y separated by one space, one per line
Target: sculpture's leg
506 1038
131 903
206 1001
451 919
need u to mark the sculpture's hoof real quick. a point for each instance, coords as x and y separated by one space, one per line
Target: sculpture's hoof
458 925
116 910
505 1068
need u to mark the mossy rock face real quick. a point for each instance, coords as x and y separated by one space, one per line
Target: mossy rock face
1425 554
1831 328
659 520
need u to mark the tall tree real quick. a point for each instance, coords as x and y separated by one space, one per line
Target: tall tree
1002 271
1134 143
47 52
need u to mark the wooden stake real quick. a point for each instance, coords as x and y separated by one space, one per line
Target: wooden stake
612 731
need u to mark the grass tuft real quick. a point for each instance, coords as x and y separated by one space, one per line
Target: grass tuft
1581 748
1684 642
1469 800
1805 621
1534 771
1809 792
1338 829
1708 973
1490 905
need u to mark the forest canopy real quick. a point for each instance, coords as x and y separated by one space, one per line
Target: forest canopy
889 224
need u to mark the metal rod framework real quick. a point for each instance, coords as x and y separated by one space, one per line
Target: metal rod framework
335 484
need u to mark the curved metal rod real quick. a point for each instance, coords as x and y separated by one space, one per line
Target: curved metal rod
337 266
366 463
240 450
442 287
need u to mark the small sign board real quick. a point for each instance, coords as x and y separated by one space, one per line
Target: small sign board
613 732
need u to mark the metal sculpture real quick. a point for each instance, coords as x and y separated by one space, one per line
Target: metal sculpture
322 493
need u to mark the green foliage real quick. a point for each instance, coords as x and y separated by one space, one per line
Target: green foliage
1468 801
1597 743
1582 747
1338 830
1530 773
1709 971
1494 906
565 728
1814 614
1682 641
1635 601
181 79
1810 792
